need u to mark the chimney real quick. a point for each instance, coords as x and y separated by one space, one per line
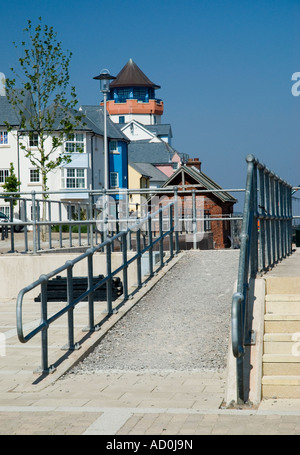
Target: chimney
195 163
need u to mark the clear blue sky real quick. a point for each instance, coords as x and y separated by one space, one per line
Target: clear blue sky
224 67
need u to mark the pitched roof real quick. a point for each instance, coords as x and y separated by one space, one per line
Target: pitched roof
94 119
150 152
132 76
148 170
160 129
8 113
202 179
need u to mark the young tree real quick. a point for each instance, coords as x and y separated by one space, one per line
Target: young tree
11 184
45 103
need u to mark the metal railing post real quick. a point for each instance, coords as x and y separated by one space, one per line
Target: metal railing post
60 226
268 220
25 227
49 225
44 322
70 298
194 222
79 225
38 213
125 269
12 238
138 250
34 233
70 226
109 281
91 226
161 241
91 295
176 220
262 210
171 211
150 245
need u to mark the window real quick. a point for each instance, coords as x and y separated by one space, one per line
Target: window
34 175
73 178
33 140
75 143
3 137
3 174
121 119
122 94
140 93
113 147
207 225
114 179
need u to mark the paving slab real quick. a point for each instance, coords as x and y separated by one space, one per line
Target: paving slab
150 402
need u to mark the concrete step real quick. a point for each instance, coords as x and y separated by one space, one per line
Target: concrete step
283 304
283 285
286 386
282 343
282 323
281 364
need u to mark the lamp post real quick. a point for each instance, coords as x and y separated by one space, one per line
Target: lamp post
105 79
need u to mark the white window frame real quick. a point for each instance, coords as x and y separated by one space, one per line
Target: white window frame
3 137
114 175
113 147
70 174
33 140
75 143
34 176
3 174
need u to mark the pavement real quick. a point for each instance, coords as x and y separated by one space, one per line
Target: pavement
160 403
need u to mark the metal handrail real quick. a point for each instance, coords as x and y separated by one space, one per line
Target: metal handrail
267 202
88 255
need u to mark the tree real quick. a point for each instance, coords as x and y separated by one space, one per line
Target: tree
11 184
45 104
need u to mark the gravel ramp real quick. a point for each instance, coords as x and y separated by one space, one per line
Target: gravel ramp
183 323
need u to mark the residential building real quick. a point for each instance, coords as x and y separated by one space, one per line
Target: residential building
212 208
132 104
85 171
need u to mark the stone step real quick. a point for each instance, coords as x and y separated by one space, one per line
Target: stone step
282 323
281 364
282 343
281 358
285 386
283 304
281 368
283 285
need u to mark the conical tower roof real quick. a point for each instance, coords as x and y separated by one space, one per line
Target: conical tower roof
132 76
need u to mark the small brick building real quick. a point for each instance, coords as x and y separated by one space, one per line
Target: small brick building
215 203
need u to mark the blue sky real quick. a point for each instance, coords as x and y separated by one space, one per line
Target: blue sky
224 68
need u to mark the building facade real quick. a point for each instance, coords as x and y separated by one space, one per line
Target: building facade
70 183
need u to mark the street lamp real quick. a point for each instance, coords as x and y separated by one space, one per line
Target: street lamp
105 79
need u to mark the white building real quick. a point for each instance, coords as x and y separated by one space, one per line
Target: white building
84 172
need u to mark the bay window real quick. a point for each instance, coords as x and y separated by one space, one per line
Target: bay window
74 178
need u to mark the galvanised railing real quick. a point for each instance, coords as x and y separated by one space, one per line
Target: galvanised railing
46 321
266 239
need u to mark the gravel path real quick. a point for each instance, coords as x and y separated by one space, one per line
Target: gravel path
183 323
